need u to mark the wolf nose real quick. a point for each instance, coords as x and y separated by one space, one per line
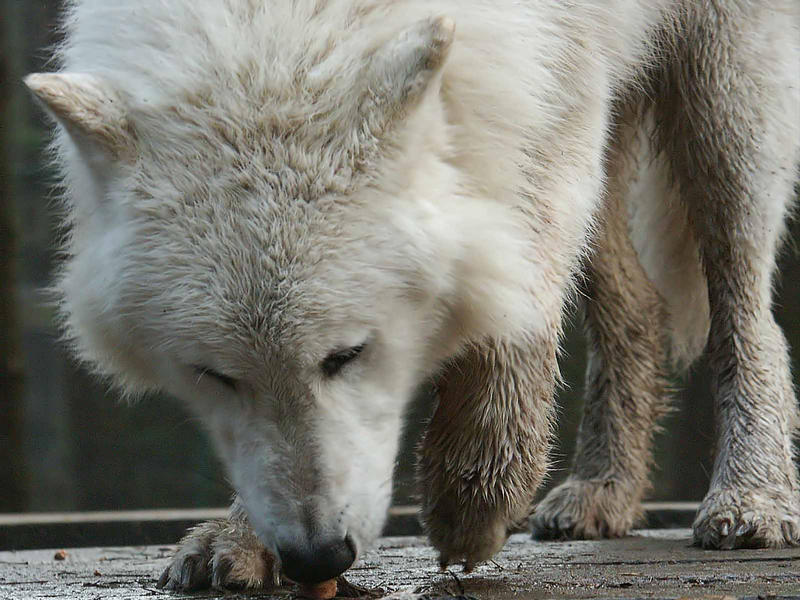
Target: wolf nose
318 561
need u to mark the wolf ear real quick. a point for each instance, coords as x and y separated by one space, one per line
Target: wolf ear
400 71
89 109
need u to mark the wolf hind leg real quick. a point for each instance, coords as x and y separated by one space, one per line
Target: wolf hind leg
732 129
626 381
223 554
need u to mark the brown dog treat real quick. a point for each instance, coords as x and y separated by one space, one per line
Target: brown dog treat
319 591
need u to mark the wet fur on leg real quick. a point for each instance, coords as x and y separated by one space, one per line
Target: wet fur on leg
473 494
626 390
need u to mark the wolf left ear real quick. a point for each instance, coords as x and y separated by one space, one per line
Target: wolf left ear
401 70
89 109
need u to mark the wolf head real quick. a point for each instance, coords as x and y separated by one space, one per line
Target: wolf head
291 262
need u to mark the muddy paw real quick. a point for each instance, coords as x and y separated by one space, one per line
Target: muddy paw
729 519
465 532
585 510
471 545
222 554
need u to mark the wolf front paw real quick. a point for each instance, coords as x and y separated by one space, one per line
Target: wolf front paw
585 510
464 536
223 554
729 519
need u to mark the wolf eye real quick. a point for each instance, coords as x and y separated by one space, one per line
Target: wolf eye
228 382
335 361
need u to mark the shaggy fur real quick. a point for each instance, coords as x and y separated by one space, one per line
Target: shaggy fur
290 213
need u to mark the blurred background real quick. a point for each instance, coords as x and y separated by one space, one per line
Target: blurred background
66 443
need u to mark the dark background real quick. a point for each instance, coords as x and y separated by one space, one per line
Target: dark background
66 443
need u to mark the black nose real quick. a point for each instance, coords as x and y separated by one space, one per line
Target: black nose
317 561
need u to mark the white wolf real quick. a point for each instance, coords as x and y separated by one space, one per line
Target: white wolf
289 213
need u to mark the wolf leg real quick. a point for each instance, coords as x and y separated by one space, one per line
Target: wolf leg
485 451
730 120
224 554
626 388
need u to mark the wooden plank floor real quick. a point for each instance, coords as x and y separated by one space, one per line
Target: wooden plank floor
650 564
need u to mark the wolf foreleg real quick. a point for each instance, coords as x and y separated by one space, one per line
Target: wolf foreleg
485 451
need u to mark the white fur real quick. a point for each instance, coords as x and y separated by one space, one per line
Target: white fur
666 246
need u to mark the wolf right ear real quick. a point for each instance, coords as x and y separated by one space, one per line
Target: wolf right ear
89 109
401 70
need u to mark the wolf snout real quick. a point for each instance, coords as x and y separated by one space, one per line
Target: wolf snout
318 560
